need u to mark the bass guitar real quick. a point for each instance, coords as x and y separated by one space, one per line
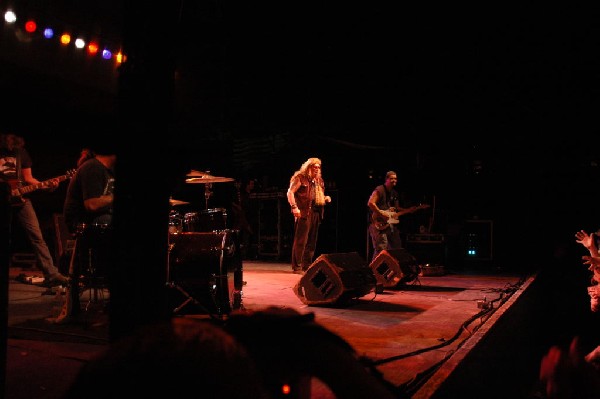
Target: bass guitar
17 192
390 216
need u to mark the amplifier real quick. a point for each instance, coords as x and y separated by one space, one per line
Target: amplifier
425 238
427 248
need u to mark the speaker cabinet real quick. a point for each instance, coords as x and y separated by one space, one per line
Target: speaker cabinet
335 279
206 270
394 267
429 249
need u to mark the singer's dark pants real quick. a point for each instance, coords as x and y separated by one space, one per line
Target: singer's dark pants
306 230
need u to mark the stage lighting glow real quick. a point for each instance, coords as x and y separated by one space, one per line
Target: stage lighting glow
25 32
30 26
10 17
93 48
65 39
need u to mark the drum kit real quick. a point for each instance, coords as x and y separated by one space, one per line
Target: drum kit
214 219
205 263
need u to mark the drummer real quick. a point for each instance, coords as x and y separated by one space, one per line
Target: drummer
88 210
89 198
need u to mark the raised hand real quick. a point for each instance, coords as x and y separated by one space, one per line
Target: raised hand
585 239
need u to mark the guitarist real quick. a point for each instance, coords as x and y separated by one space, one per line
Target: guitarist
15 169
384 210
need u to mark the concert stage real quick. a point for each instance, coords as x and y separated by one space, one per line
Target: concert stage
460 334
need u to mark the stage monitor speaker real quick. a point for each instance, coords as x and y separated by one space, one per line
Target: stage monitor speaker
394 267
335 279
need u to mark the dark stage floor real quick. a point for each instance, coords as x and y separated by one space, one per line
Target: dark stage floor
434 337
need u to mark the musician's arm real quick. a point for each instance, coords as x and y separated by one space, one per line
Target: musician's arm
372 204
98 203
295 184
27 176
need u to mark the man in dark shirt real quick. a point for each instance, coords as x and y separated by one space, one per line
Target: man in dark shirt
88 210
89 197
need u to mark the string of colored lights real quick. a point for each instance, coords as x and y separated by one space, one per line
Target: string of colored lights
93 47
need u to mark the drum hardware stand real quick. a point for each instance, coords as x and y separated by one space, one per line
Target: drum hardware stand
189 298
80 282
95 283
94 287
207 193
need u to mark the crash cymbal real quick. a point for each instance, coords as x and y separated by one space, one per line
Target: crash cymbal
208 179
175 202
197 173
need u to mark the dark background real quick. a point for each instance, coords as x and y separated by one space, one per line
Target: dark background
488 112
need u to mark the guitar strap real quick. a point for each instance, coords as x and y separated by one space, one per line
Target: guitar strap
385 197
387 202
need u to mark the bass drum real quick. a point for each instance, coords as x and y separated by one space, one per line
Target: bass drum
205 272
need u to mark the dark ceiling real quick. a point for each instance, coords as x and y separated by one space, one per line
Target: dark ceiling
385 71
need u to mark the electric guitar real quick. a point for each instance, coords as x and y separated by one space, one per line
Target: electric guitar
391 216
17 192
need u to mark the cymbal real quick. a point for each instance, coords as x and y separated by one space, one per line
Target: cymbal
208 179
175 202
197 173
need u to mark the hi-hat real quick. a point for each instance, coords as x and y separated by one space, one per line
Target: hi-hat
208 179
197 173
175 202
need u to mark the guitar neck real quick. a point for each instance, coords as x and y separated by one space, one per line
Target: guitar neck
32 187
414 209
